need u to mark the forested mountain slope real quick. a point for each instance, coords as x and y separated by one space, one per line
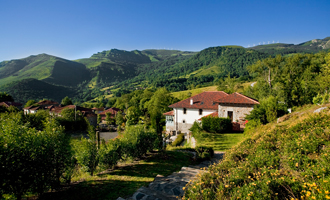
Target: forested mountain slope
27 89
204 67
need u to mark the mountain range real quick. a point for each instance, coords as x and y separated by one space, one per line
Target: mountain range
46 76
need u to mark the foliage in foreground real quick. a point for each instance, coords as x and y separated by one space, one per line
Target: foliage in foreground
31 160
135 143
283 162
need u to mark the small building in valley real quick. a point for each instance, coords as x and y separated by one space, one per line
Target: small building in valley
217 104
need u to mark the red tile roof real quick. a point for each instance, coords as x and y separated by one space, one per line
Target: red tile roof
98 109
47 102
170 113
237 98
205 100
113 111
10 103
215 114
82 109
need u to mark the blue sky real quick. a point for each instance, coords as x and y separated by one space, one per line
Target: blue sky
77 29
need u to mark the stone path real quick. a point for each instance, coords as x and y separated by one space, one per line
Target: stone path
170 187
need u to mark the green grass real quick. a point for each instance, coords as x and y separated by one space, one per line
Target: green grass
124 180
219 141
183 94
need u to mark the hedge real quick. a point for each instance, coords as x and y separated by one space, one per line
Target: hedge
216 124
179 139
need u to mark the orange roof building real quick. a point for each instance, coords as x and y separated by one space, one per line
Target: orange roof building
217 104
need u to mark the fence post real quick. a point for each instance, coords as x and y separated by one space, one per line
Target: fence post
98 139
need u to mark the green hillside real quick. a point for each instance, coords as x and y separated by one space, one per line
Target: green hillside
51 69
312 46
177 73
27 89
285 160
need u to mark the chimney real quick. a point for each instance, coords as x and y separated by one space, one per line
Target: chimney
191 101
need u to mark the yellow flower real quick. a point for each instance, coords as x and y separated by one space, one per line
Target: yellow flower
226 186
327 197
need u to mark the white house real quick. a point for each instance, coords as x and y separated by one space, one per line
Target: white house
220 104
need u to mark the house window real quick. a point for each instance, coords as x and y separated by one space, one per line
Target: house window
183 121
200 111
185 111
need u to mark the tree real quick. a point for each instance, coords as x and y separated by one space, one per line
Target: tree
267 68
108 118
5 97
99 119
12 109
229 85
119 119
132 116
30 103
158 105
66 101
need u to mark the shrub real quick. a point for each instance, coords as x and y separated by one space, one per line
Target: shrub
178 141
204 153
86 151
216 124
321 99
138 140
31 160
267 111
110 154
195 127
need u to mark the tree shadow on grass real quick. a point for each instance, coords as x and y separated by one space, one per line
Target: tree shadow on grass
98 189
111 184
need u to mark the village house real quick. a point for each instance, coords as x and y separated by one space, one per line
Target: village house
217 104
7 104
55 108
98 110
41 105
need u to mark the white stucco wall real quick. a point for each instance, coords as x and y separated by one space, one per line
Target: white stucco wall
239 111
190 117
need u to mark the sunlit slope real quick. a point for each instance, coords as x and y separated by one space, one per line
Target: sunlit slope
285 160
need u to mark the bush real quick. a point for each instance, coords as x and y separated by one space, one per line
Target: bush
321 99
195 127
138 140
216 124
204 153
110 154
268 110
31 160
178 141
